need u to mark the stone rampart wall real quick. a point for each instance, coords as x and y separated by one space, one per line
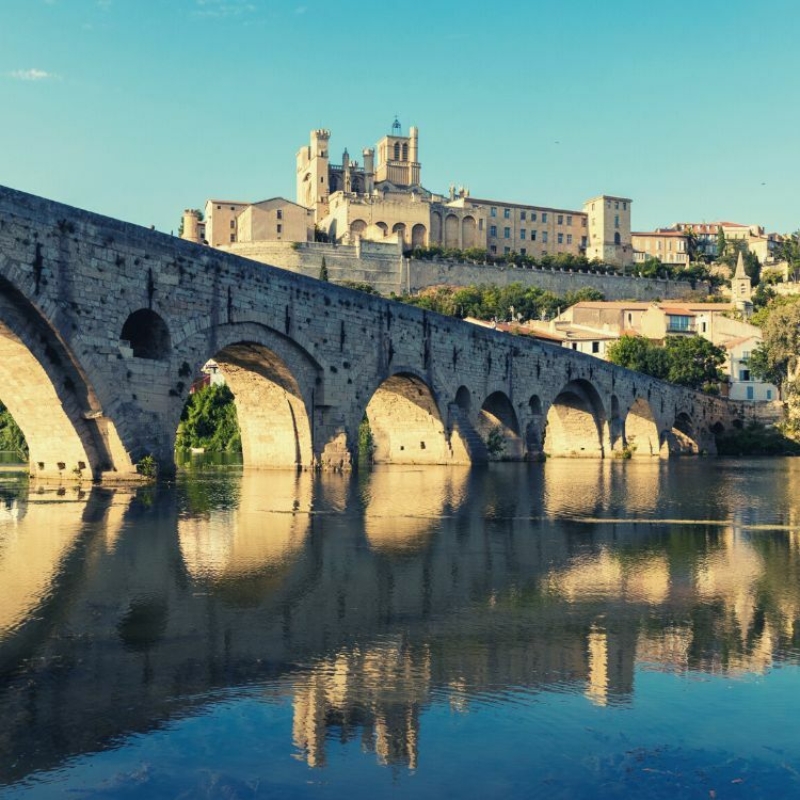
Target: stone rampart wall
381 266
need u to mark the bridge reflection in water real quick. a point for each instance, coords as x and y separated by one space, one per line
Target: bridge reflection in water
366 599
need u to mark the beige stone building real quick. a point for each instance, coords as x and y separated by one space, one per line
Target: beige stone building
591 326
609 230
227 223
382 199
757 240
669 247
503 228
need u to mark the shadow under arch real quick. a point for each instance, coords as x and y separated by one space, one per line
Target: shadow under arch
641 430
534 433
576 422
499 427
407 427
682 439
49 396
273 418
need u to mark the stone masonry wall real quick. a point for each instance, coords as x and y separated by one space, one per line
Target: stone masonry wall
81 277
381 266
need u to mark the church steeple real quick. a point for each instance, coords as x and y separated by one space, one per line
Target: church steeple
741 289
740 273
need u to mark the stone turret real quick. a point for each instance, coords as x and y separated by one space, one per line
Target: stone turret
191 226
369 169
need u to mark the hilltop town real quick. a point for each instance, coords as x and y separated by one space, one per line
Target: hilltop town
374 224
382 200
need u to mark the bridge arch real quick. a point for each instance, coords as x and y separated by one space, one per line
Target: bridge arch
641 430
576 422
47 392
407 424
147 334
499 427
275 384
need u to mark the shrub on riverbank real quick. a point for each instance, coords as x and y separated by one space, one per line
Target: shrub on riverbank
756 440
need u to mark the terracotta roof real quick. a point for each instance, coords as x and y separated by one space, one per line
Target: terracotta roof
644 305
729 345
478 201
674 234
680 312
550 337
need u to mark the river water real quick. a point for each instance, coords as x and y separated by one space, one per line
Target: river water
574 629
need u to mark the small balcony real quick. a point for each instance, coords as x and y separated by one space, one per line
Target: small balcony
679 326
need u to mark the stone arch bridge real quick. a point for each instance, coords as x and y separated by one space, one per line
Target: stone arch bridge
104 325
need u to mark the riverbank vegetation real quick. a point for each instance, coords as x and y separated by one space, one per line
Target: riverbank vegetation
756 439
501 303
12 440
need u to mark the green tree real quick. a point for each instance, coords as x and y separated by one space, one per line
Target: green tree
688 361
752 266
640 355
12 439
209 421
789 251
694 362
323 270
360 286
776 358
722 245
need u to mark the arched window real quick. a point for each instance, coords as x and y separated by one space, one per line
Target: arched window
405 152
397 151
617 239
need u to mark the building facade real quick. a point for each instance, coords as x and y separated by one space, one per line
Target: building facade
591 326
382 199
669 247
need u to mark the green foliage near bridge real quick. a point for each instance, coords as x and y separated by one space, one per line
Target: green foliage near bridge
691 361
209 421
497 302
12 440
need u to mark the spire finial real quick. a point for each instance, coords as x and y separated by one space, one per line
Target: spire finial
396 127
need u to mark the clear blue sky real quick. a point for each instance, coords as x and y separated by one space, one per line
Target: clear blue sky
139 108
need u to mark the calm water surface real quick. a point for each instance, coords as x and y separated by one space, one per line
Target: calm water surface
566 630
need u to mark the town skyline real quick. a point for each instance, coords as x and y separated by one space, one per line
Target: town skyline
135 111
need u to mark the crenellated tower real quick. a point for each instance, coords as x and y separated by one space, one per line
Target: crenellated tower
313 176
